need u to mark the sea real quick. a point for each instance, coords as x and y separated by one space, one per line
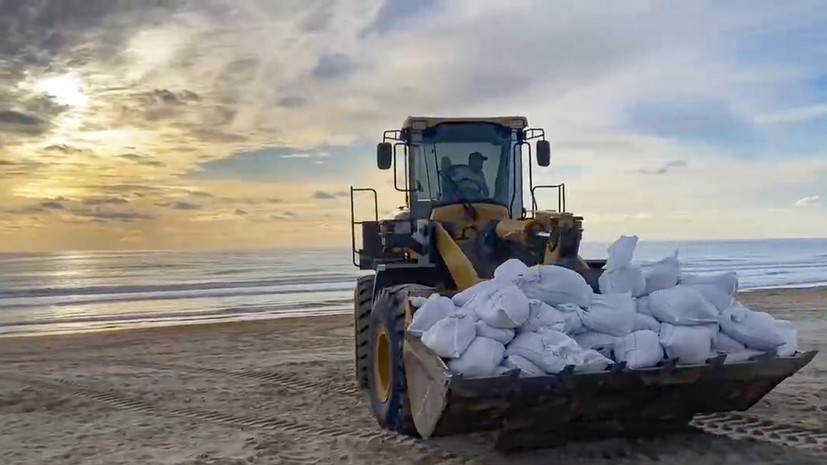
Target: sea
67 292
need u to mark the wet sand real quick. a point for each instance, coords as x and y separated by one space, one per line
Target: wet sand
283 392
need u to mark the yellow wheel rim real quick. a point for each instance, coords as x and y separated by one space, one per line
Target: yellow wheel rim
381 364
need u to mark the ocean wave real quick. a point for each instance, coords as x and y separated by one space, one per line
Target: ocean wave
78 291
69 290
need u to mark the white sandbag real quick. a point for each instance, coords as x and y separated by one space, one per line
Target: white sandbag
713 294
554 285
481 358
690 344
641 349
789 333
501 370
726 344
502 307
619 274
682 305
550 350
593 340
543 315
573 323
642 305
610 313
627 279
756 330
501 335
435 308
621 252
741 356
568 307
526 367
511 270
725 282
450 336
662 274
487 286
417 301
589 361
571 315
645 322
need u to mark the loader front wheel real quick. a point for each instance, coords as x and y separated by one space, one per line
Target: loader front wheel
386 376
362 303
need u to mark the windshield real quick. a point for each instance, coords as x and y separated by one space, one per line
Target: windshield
465 163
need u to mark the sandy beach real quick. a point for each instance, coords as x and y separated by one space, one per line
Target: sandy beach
282 392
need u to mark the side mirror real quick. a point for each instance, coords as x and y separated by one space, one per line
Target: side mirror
543 153
384 155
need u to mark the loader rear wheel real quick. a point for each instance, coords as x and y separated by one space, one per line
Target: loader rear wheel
362 303
386 377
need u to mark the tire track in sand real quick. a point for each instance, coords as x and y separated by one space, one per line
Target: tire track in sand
288 380
740 426
730 425
279 423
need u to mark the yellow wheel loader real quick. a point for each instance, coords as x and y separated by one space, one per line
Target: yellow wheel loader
464 181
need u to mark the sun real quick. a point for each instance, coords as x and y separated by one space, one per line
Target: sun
64 89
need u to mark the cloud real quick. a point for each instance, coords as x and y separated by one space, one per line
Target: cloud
115 216
141 159
241 212
807 201
394 15
287 164
292 102
669 166
65 149
794 115
180 205
52 204
283 215
169 97
333 66
321 195
104 201
13 121
27 210
15 118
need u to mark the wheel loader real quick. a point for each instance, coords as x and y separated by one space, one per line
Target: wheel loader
465 213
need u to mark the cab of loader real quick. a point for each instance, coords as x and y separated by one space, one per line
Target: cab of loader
461 161
463 175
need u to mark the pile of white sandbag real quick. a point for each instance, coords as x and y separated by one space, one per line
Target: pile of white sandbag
544 318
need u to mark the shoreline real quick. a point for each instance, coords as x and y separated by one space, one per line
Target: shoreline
300 316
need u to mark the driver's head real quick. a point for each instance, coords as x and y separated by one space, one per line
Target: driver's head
475 161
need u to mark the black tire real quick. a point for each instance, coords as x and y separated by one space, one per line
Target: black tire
362 303
388 315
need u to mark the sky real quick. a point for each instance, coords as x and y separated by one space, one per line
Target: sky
225 124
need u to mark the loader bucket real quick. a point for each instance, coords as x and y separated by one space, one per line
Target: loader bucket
536 412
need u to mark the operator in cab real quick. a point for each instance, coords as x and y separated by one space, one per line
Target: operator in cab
465 182
475 162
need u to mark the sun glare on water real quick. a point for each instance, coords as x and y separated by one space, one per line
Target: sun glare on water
64 89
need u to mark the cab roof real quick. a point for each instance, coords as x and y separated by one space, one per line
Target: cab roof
425 122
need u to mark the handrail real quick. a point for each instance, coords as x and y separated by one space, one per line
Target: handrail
561 196
353 221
